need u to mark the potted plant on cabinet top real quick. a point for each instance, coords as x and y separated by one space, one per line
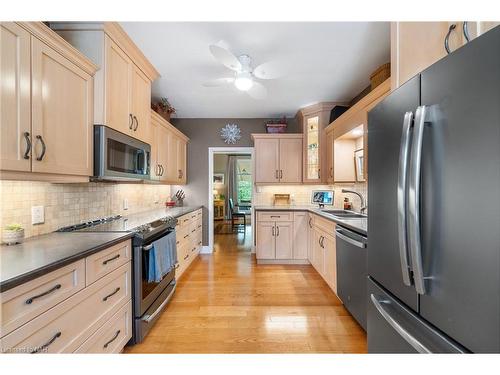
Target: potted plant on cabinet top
163 108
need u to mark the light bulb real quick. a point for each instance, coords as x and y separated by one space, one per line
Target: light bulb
243 81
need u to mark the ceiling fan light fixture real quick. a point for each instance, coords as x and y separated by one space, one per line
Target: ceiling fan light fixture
243 81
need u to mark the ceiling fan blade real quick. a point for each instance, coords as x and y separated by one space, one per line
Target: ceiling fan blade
225 57
269 70
257 91
218 82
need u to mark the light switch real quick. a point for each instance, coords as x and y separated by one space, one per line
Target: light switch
37 215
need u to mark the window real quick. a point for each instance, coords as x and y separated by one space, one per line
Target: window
244 180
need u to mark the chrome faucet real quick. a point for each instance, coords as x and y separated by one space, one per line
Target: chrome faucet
363 206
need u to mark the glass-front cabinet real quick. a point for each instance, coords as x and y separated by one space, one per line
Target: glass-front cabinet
313 120
313 159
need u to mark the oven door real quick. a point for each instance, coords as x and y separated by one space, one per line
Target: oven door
118 156
146 293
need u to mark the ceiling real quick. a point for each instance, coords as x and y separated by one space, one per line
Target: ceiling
324 61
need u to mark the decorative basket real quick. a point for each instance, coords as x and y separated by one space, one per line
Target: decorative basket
12 237
276 128
163 113
380 75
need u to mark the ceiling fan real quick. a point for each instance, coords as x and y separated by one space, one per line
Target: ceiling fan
245 76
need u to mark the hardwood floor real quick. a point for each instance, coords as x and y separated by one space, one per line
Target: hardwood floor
226 303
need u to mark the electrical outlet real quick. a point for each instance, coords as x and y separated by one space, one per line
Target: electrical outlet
125 204
37 215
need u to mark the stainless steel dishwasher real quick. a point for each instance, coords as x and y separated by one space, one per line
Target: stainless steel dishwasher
352 272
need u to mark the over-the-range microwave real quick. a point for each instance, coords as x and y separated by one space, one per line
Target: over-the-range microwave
119 157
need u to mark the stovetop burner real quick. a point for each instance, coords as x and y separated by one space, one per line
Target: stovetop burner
89 224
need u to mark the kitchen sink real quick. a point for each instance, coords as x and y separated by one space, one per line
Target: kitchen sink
344 213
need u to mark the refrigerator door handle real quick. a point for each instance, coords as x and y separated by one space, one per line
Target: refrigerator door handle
402 197
417 345
414 200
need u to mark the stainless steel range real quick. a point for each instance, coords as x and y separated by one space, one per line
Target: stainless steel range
149 298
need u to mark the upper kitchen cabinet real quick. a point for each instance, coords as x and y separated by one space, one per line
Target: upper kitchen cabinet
417 45
122 98
15 136
313 120
347 139
278 158
46 98
168 151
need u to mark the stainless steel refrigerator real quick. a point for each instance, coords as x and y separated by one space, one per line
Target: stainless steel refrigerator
434 208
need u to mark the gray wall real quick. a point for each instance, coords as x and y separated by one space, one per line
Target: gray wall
205 133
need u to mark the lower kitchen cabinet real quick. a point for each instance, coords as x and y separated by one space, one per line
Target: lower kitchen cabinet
189 234
39 316
300 234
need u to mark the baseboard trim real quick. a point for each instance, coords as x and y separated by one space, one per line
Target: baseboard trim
206 250
283 261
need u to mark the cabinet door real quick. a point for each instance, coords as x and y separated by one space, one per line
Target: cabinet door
300 235
181 160
266 160
171 173
163 138
284 240
329 156
312 162
290 160
417 45
15 98
265 240
62 111
330 261
118 88
155 143
141 103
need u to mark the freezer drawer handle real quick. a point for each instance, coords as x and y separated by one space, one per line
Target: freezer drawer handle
414 200
340 234
149 318
417 345
402 197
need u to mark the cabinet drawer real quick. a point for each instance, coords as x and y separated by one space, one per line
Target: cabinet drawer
66 326
113 335
103 262
324 224
30 299
184 220
275 216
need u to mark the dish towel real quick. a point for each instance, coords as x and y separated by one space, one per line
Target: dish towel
162 257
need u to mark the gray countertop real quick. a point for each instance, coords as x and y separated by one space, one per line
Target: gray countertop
39 255
359 225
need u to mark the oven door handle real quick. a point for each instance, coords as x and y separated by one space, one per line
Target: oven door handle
149 318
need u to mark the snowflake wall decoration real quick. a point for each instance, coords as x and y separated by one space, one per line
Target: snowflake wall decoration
230 134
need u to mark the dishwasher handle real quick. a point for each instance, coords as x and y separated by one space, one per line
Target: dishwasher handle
343 234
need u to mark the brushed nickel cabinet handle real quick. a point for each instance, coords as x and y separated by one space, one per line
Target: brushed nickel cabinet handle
28 145
187 256
47 344
29 301
113 339
111 294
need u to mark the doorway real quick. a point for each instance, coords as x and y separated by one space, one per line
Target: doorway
231 191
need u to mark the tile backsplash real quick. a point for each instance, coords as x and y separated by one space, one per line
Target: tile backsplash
301 194
67 204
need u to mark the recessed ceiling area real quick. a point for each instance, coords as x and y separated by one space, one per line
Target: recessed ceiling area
323 61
